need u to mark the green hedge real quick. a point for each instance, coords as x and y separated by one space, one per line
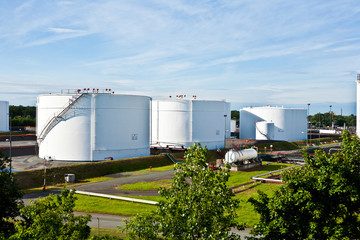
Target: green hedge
54 175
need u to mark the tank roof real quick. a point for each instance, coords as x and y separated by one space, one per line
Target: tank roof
272 107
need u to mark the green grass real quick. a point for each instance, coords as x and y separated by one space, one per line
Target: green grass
106 231
160 169
95 179
315 140
278 146
246 212
145 186
242 177
108 206
212 155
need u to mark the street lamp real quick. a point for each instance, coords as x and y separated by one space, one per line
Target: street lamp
225 130
330 117
10 141
307 129
319 126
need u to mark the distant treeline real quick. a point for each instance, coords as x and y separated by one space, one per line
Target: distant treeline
323 120
22 116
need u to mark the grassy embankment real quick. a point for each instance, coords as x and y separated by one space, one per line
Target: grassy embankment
86 171
283 145
245 211
94 172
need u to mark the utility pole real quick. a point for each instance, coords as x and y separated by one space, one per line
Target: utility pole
319 126
330 118
307 128
10 152
225 130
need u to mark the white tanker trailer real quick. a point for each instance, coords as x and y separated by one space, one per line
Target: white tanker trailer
241 156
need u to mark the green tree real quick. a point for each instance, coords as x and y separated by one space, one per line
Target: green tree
235 115
351 120
22 111
198 204
319 201
52 217
339 120
22 116
10 198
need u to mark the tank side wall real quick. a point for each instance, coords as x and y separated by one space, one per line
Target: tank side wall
358 107
228 119
209 123
4 116
122 125
289 124
173 122
69 140
247 122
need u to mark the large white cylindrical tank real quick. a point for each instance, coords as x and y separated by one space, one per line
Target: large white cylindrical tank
233 126
290 124
4 116
264 130
92 126
227 120
358 105
183 122
233 156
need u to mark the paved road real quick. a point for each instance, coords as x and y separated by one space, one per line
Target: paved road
112 221
6 144
109 187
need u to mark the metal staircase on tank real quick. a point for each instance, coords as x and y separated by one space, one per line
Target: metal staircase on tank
267 137
57 117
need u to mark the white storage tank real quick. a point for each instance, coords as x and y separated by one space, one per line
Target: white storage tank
244 156
264 130
290 124
181 123
4 116
233 126
93 126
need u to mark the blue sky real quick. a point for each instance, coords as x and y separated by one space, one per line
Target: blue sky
249 52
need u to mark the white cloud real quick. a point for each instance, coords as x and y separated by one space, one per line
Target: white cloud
216 48
65 30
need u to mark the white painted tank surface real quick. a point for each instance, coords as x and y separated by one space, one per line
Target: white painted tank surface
264 130
245 155
358 105
228 120
233 126
181 123
4 116
93 126
290 124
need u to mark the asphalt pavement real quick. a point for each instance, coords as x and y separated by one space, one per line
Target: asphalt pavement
109 186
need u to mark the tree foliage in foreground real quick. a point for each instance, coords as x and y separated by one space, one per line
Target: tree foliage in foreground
52 217
319 201
198 204
10 198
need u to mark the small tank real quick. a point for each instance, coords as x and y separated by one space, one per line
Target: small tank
244 155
